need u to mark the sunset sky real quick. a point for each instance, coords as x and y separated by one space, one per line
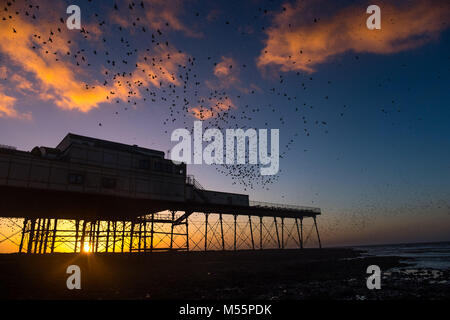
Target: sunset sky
363 114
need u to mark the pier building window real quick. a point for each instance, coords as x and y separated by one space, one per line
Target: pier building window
144 164
158 165
109 183
76 178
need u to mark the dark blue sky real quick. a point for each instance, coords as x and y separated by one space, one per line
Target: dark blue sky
374 152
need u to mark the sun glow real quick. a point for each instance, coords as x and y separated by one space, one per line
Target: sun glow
86 248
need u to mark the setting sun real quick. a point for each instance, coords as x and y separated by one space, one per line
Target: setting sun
86 248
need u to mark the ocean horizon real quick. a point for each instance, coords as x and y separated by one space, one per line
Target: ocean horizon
429 255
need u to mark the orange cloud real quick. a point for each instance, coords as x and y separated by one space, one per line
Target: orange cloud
6 105
68 86
295 42
215 106
22 84
158 14
227 74
224 68
161 67
3 72
7 109
57 80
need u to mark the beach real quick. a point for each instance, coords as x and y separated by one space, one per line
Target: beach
335 273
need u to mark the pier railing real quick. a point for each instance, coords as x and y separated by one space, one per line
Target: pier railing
282 206
190 179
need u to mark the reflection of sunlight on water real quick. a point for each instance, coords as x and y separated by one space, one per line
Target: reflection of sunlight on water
426 255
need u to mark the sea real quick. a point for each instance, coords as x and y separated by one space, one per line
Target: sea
420 255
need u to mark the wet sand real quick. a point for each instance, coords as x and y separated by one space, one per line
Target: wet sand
259 275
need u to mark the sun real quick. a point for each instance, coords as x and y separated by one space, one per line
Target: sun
86 248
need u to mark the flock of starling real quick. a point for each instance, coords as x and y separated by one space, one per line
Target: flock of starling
183 91
182 94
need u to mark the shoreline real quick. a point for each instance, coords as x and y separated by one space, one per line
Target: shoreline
290 274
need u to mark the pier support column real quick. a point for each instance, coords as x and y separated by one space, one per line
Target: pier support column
24 229
278 235
123 236
83 235
131 235
41 234
107 236
251 232
47 231
300 244
91 235
114 235
235 231
301 232
282 233
206 231
77 226
221 231
55 225
37 235
187 234
152 234
260 233
171 230
31 236
317 230
97 237
145 235
140 236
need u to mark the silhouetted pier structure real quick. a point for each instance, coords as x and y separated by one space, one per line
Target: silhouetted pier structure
100 196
